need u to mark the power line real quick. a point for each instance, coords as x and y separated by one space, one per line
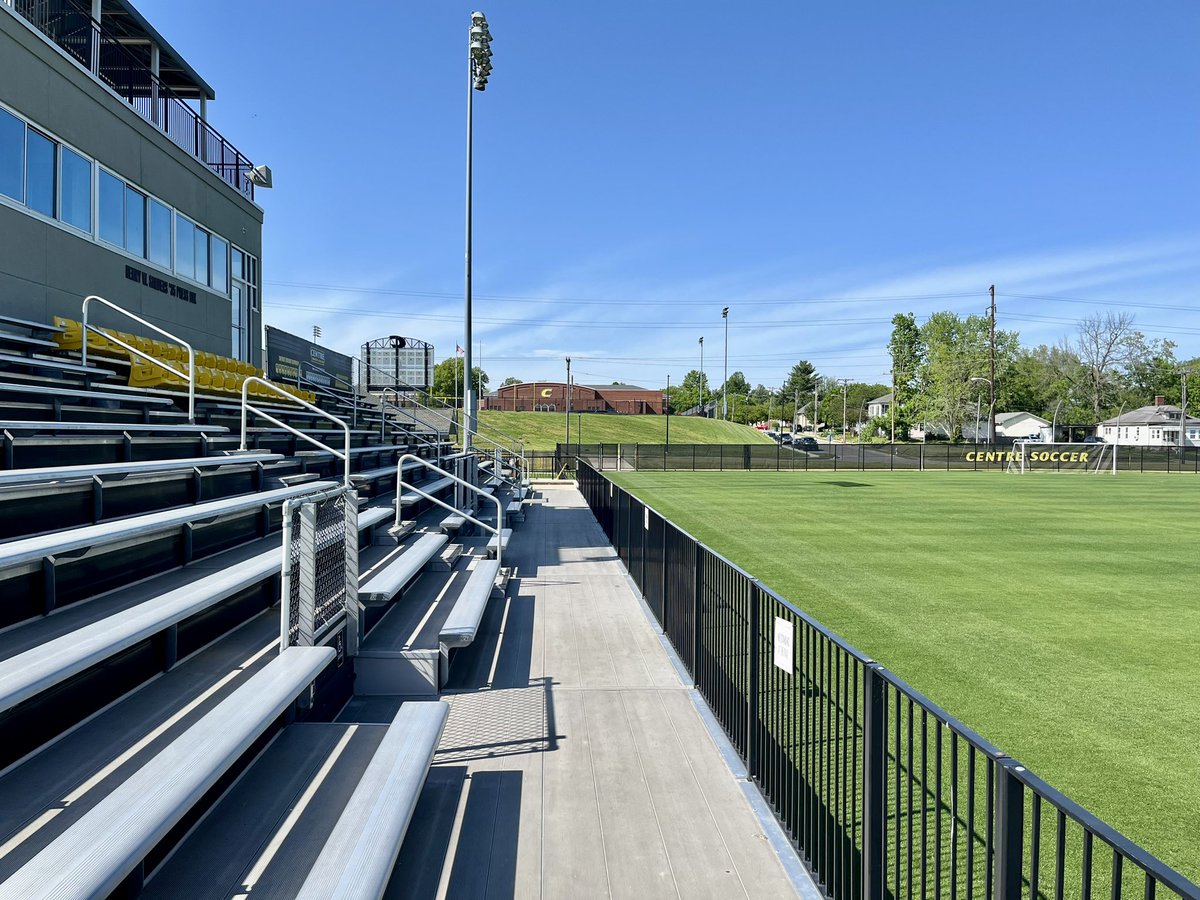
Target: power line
637 301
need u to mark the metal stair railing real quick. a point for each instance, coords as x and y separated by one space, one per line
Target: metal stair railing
189 377
447 413
248 406
400 487
350 402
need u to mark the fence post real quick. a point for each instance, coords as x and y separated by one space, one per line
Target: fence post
1010 822
697 609
874 842
752 654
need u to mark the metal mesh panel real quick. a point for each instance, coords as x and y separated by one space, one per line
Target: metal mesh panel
320 565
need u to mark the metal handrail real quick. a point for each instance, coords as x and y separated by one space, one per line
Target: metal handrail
383 423
328 392
499 462
497 531
190 377
452 419
247 405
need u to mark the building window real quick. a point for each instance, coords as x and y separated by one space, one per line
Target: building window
112 210
160 234
39 172
76 190
12 156
135 222
220 264
185 247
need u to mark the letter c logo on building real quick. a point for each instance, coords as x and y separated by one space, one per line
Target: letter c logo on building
546 392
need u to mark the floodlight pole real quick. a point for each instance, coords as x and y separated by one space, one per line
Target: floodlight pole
702 376
479 66
725 386
667 409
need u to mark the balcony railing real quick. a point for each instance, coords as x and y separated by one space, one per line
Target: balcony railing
69 24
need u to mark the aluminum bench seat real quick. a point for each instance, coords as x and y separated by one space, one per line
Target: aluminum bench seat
77 541
26 673
40 668
462 624
358 858
150 467
31 325
111 840
22 341
354 451
41 362
499 541
429 487
42 390
382 472
409 561
373 517
27 426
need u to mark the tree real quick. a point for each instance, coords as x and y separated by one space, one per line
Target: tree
685 396
737 384
908 355
1104 344
511 379
955 352
450 370
802 378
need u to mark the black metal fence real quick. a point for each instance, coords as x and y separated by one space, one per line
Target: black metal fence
883 793
837 457
69 24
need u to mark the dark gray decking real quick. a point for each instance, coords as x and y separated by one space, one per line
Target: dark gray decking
574 763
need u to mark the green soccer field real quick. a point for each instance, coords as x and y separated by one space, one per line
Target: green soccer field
1056 614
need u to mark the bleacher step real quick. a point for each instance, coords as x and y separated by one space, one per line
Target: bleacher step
446 558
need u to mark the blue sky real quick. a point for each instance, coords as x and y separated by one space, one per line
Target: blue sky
639 165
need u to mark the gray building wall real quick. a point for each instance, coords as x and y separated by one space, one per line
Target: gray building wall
47 269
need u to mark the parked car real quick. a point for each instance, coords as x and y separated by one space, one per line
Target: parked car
1093 439
806 443
785 439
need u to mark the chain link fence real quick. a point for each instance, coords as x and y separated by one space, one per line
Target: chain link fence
320 567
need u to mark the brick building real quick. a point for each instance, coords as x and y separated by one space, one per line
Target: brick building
551 396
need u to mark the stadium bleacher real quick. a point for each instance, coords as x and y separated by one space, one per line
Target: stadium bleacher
154 733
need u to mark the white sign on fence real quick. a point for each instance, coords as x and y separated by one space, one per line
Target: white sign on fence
785 645
647 512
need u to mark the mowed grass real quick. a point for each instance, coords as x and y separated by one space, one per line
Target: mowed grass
542 431
1058 615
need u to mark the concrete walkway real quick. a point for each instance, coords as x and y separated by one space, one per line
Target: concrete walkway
574 763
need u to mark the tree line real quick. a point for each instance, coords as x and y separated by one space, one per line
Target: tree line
941 370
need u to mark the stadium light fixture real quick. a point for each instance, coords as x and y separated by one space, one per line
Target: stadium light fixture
479 67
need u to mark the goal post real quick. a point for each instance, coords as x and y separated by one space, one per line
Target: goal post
1044 456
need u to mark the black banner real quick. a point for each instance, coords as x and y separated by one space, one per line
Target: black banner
289 355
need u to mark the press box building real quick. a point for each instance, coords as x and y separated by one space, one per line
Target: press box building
112 181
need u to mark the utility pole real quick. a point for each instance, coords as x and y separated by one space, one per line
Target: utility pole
992 371
702 376
667 408
795 412
845 382
1182 418
815 408
568 404
892 405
